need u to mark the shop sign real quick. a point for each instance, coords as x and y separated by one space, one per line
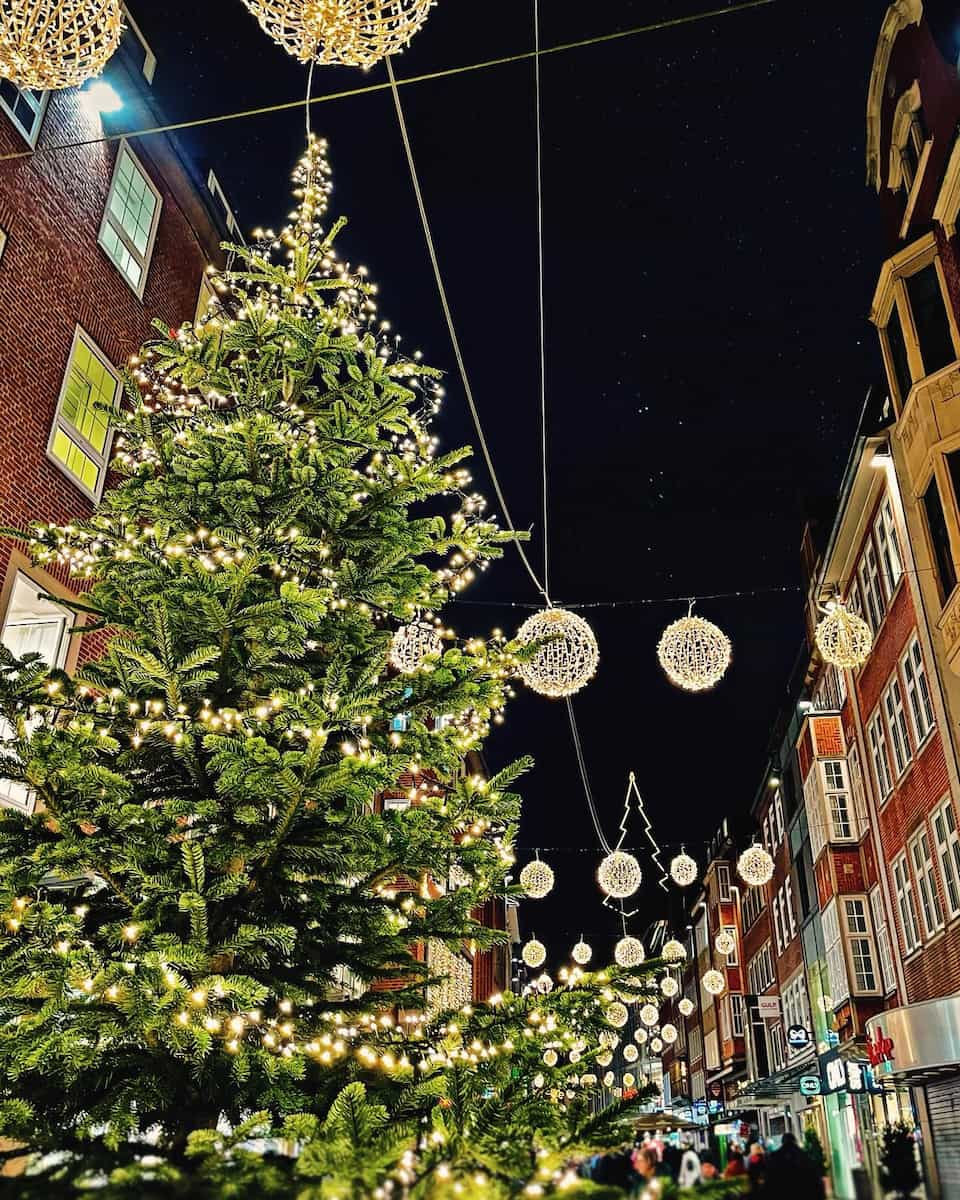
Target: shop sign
846 1074
809 1085
700 1108
768 1006
880 1048
798 1037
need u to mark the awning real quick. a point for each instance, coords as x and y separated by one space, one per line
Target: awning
772 1089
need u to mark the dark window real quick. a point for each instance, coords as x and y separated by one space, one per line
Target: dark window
939 540
898 355
912 149
930 319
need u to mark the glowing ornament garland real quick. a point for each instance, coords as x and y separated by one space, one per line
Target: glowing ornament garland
725 942
628 952
352 33
683 870
536 879
582 952
755 866
412 645
714 982
844 639
619 875
640 1036
669 1034
55 44
694 653
564 664
656 1045
534 953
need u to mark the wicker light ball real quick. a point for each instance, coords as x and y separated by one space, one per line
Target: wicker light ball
669 1034
628 952
725 942
536 879
588 1080
628 1080
755 866
617 1014
640 1036
54 44
582 953
544 984
630 1052
844 639
353 33
619 875
685 1007
683 870
673 951
649 1014
694 653
714 982
550 1058
608 1079
564 664
538 1081
534 953
669 986
604 1058
656 1045
412 645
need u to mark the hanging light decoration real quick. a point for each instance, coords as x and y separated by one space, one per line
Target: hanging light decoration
683 870
604 1058
669 986
536 879
656 1046
673 951
685 1007
630 1052
48 45
544 984
538 1081
608 1079
617 1014
352 33
628 1080
608 1039
844 639
725 942
628 952
669 1034
640 1036
412 645
550 1058
588 1080
534 953
619 874
694 653
649 1014
714 982
564 664
582 952
755 866
575 1056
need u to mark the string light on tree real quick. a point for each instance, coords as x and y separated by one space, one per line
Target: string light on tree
725 942
550 1058
536 879
619 875
534 953
582 952
685 1007
844 639
755 866
608 1079
628 1080
604 1058
714 982
47 45
628 952
673 951
694 653
683 870
412 645
566 662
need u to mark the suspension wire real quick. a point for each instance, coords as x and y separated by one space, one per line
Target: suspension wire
313 63
454 339
585 778
540 312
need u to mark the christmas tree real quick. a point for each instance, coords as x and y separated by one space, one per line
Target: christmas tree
208 859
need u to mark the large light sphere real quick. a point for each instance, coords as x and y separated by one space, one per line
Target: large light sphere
550 1058
604 1058
617 1014
589 1080
673 951
534 953
630 1052
669 1034
564 664
628 952
725 942
694 653
669 986
608 1079
48 45
714 982
640 1036
582 953
683 870
656 1045
412 645
755 866
353 33
844 639
685 1007
619 875
628 1080
649 1014
536 879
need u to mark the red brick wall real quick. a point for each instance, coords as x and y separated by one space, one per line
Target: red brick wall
828 737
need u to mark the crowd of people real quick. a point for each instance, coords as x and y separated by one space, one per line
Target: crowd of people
654 1168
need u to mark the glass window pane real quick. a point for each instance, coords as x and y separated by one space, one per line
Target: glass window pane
930 319
898 355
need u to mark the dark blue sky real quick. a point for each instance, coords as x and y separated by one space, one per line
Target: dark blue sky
711 249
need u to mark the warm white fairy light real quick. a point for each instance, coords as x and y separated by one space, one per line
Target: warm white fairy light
608 1079
629 1080
616 1014
413 645
536 879
843 639
534 953
567 661
630 1052
755 866
725 942
628 952
656 1045
640 1036
683 870
673 951
550 1058
714 982
619 874
694 653
669 1034
544 984
669 986
604 1058
650 1014
582 952
52 44
685 1007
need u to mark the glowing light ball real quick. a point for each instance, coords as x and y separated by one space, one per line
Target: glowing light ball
550 1058
412 645
534 953
628 952
673 951
582 953
630 1052
669 1034
669 986
683 870
649 1014
617 1014
619 875
725 942
755 866
714 982
686 1007
844 639
694 654
564 664
48 45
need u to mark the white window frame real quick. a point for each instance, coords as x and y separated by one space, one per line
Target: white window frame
711 1051
100 458
836 959
919 701
39 109
882 774
855 915
882 934
777 826
732 959
723 883
776 1046
695 1042
760 970
888 545
894 713
857 790
925 876
778 932
906 908
789 916
736 1014
838 797
875 608
109 221
947 838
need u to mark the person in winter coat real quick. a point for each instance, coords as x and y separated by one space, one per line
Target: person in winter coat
735 1166
791 1174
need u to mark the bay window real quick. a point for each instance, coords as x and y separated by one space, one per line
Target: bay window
926 876
903 888
918 691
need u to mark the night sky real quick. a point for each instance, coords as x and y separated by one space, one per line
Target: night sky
711 250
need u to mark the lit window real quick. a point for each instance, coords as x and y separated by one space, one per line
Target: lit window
885 532
897 725
883 939
918 691
731 931
723 882
25 108
789 917
80 436
736 1012
909 932
878 755
130 220
948 851
926 877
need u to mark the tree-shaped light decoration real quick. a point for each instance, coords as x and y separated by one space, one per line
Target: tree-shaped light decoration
683 870
669 986
844 639
755 866
685 1007
619 874
673 951
536 879
650 1014
714 982
669 1034
694 653
628 952
630 1052
582 952
725 942
566 660
47 45
352 33
534 953
617 1014
656 1046
412 645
